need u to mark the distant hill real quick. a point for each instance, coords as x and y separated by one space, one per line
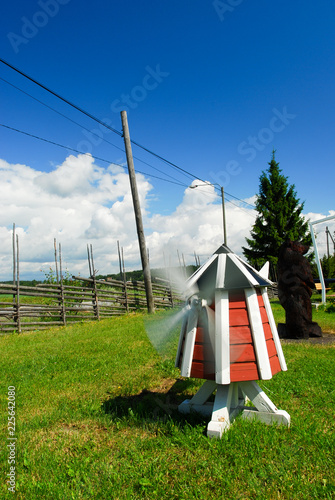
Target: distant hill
156 274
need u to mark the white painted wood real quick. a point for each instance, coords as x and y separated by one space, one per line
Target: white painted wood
222 403
256 395
220 421
274 330
228 403
211 327
182 334
258 336
241 266
185 407
222 348
280 417
264 271
191 330
251 269
204 410
221 270
205 391
234 396
191 282
216 429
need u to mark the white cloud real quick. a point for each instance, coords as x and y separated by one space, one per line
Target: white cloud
79 203
76 203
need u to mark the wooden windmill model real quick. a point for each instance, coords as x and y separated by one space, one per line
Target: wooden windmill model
229 338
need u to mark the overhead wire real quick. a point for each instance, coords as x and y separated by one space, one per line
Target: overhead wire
88 114
84 128
83 153
102 123
57 144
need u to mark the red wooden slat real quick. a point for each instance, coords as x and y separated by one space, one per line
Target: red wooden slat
238 317
203 352
275 365
272 351
267 331
242 353
264 315
238 304
240 372
200 335
240 335
203 370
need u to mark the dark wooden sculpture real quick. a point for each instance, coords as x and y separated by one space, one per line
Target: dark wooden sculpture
295 284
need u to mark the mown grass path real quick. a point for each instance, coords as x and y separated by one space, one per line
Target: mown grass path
96 418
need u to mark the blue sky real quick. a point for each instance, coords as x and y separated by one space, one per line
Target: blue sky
213 87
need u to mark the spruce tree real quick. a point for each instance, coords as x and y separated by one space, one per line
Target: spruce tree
279 218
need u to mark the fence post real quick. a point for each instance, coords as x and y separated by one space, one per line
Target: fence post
18 319
62 294
95 299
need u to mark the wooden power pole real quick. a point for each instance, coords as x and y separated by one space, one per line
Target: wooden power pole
138 215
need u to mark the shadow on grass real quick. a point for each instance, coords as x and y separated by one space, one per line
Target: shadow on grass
150 406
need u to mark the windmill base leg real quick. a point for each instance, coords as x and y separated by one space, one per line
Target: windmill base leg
280 417
264 410
229 402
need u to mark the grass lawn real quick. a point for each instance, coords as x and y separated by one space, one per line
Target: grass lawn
96 418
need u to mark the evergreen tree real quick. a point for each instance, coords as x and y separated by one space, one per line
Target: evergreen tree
279 218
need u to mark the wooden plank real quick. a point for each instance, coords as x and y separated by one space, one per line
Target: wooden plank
191 328
202 370
267 331
275 365
271 347
242 353
238 317
221 271
222 351
240 372
240 335
274 331
258 334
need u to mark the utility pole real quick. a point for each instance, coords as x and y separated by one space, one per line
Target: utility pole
138 215
224 218
223 207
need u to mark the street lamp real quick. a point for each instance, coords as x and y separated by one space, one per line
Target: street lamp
223 207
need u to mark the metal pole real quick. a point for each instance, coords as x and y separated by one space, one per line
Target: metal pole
322 281
138 215
318 264
224 218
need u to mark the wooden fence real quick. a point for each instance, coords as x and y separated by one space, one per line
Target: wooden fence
25 308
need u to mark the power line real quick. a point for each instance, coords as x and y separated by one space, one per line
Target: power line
78 108
81 152
59 113
57 144
90 131
81 110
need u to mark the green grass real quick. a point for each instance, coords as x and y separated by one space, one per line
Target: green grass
97 419
325 319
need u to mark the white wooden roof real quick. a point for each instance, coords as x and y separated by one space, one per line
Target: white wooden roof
225 270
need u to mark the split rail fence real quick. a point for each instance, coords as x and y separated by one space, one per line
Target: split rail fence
25 308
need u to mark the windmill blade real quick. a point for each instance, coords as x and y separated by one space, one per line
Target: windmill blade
163 332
